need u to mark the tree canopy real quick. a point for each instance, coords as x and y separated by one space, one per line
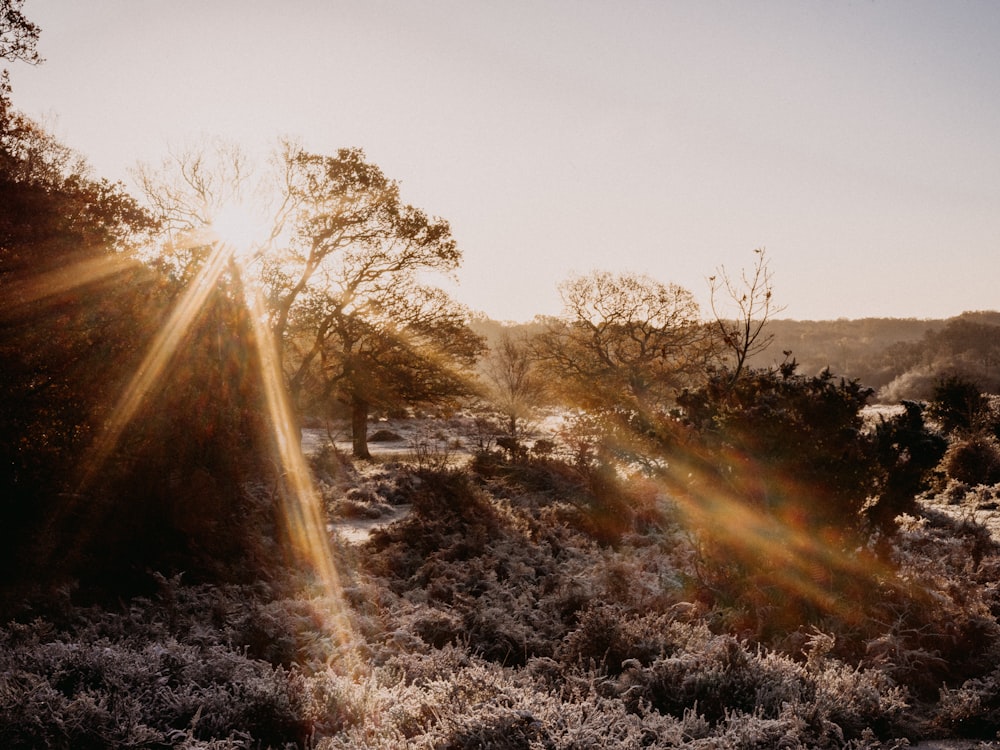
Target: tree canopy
341 272
18 35
84 490
625 342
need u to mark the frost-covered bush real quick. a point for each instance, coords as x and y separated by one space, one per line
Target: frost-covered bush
484 619
59 691
973 460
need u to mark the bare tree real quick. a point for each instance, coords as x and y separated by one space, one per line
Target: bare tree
193 187
752 295
625 342
515 385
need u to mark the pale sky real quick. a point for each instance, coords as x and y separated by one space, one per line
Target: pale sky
858 141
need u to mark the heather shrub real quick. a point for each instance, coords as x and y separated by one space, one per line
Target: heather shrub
608 637
973 460
329 466
64 692
972 709
490 616
594 497
722 677
936 623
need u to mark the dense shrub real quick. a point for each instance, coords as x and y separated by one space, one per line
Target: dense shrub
907 451
958 404
784 443
974 459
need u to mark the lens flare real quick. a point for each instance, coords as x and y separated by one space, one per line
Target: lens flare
793 557
300 502
791 562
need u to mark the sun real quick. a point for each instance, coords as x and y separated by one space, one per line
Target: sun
239 228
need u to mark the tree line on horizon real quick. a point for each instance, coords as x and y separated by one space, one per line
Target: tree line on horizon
900 358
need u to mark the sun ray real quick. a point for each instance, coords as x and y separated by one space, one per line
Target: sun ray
794 559
69 276
300 503
233 248
161 351
797 559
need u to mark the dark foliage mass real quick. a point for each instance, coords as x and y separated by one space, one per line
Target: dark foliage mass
79 316
788 443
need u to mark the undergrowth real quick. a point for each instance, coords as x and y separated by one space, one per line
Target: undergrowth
493 615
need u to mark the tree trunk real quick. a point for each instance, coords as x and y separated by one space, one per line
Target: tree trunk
359 428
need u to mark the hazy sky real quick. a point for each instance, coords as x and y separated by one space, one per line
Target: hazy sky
859 142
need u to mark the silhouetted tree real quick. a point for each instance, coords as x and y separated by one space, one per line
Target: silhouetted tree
744 335
410 345
189 190
79 316
347 302
624 346
64 241
18 35
339 263
514 384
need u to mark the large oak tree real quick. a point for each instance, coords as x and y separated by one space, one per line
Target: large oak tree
341 263
348 304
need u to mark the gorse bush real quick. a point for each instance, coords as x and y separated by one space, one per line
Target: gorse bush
958 404
973 460
783 443
907 452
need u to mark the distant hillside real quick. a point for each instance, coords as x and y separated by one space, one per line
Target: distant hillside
845 346
899 357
